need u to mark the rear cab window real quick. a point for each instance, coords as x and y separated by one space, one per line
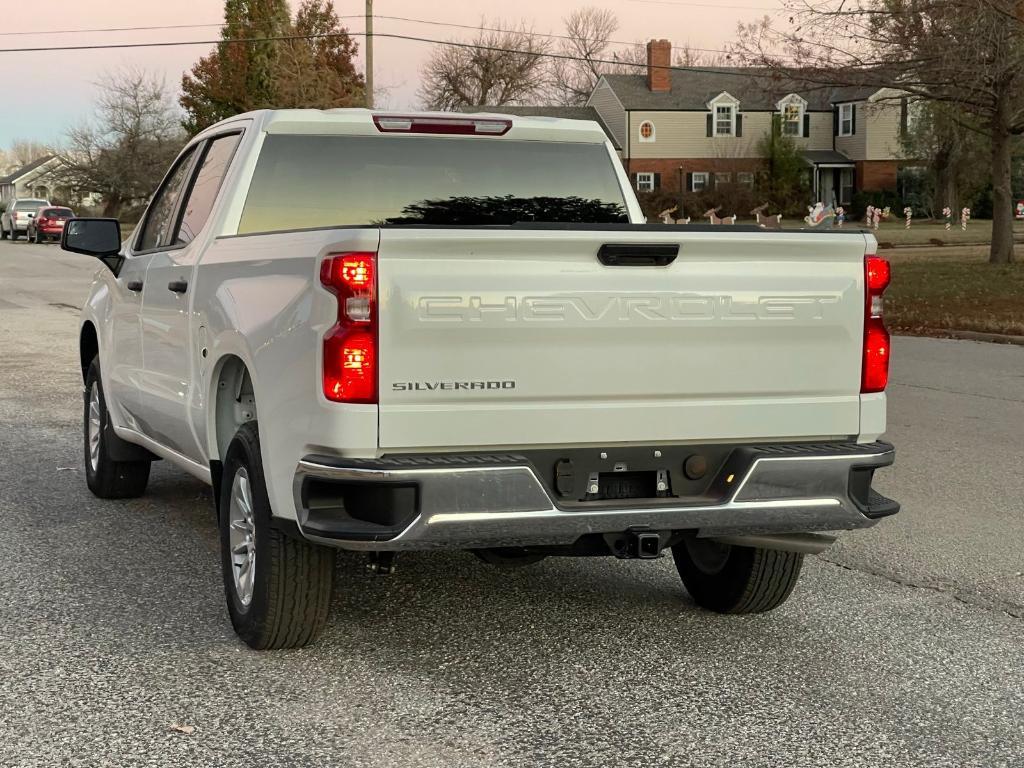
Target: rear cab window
308 181
56 213
29 205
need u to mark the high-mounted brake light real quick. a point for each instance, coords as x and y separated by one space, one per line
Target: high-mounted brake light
875 370
463 126
350 346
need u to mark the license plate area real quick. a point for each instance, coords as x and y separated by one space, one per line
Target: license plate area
626 485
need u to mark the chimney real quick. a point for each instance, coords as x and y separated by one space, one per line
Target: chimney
659 59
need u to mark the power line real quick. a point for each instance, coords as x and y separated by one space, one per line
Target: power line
707 5
537 34
409 19
393 36
108 29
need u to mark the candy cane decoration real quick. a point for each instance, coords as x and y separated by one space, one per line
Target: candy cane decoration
840 216
947 214
877 212
965 216
909 213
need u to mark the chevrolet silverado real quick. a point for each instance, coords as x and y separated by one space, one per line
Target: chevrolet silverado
392 332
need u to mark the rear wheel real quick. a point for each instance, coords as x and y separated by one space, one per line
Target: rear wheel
39 239
105 477
730 579
3 232
278 588
14 233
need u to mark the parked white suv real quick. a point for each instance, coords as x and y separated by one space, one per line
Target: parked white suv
16 216
403 332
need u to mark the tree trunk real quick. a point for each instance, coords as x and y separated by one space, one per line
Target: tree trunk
111 206
1002 195
947 192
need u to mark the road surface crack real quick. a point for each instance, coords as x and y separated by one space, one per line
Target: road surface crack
975 601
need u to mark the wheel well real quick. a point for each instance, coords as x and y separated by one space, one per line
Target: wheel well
235 403
88 347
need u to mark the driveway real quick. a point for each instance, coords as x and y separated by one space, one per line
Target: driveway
902 645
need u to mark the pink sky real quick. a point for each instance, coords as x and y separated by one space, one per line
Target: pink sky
62 87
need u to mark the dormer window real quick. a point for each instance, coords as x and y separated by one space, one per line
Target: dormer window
647 131
724 117
725 120
791 111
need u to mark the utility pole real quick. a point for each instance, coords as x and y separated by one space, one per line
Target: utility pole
369 54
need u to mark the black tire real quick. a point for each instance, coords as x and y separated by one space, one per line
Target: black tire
38 239
730 579
3 233
292 581
106 478
14 234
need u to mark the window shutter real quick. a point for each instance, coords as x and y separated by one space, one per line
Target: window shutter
657 181
711 181
853 119
904 115
711 124
835 121
807 125
689 182
632 178
739 125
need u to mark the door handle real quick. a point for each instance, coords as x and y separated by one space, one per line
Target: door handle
178 286
638 255
134 285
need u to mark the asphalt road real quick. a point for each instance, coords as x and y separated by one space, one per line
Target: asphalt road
901 646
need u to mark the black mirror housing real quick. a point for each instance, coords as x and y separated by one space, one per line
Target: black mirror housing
93 237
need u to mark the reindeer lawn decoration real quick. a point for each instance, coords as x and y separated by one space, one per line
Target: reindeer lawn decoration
775 222
666 216
712 216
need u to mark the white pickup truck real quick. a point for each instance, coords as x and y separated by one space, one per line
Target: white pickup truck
387 332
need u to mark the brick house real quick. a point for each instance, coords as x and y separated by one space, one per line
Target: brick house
697 129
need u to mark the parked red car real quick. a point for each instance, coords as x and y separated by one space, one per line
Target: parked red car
47 223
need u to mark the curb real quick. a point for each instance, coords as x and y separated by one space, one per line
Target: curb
991 338
912 246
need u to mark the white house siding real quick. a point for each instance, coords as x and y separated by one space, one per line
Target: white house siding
684 134
821 133
882 121
607 104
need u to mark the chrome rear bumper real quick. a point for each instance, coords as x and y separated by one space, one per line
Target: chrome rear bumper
466 502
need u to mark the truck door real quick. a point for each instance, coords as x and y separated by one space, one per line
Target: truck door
167 335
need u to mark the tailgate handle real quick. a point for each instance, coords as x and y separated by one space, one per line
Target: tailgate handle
638 255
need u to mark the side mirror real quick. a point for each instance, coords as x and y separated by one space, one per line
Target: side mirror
93 237
31 215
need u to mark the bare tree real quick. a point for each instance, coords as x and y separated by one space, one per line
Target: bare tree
124 150
967 53
586 47
497 68
25 151
588 51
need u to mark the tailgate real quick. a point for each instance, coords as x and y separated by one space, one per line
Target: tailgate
506 338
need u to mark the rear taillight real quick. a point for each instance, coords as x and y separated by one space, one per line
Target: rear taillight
350 346
875 371
42 220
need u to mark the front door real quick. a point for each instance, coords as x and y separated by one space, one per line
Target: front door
169 349
827 186
123 366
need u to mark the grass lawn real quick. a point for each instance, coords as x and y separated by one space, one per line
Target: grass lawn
894 233
954 288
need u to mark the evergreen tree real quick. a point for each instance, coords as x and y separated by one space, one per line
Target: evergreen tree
785 178
268 73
